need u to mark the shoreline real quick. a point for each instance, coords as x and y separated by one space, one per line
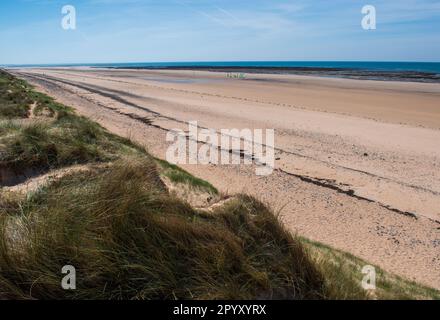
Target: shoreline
351 71
344 73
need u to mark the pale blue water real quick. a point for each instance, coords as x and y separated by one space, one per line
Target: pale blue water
432 67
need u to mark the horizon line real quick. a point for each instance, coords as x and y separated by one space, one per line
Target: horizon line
210 61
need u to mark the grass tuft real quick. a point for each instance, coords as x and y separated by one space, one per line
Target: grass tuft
130 239
178 175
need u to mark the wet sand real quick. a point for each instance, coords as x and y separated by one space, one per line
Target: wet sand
359 161
359 74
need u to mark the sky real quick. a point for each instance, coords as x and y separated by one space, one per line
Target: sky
218 30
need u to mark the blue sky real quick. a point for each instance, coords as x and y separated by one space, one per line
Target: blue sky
215 30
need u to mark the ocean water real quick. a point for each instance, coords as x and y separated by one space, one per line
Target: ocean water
428 67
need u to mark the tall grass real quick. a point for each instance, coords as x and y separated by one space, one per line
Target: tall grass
14 98
178 175
67 140
129 239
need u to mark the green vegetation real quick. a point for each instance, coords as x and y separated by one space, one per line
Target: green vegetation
14 98
17 97
58 139
343 274
130 238
65 140
178 175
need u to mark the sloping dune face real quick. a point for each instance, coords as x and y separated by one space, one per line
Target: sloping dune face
358 162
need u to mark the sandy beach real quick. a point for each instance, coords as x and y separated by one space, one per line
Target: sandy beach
358 162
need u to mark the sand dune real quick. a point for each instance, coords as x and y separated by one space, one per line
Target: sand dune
359 161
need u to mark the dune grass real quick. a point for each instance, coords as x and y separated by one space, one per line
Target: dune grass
65 140
60 138
17 96
343 276
14 98
129 239
178 175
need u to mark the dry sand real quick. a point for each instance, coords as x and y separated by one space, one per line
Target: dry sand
359 161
